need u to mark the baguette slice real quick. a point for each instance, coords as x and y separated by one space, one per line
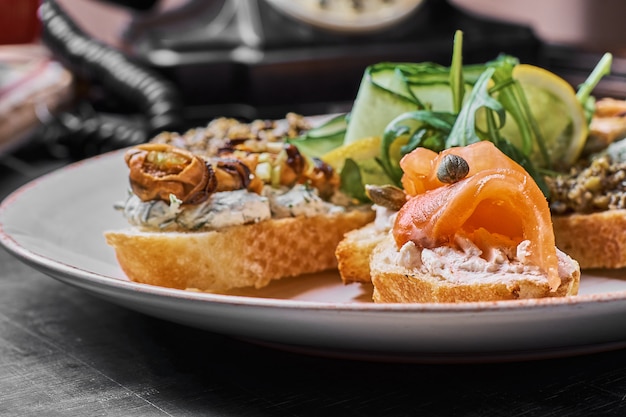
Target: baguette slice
394 283
596 240
354 250
236 257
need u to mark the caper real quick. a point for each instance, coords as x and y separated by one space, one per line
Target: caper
387 196
452 169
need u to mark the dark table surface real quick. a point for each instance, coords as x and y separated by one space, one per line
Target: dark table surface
64 352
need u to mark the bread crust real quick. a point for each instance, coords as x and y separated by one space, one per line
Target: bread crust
353 253
596 240
397 284
236 257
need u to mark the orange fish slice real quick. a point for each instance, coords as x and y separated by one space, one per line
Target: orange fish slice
497 196
420 165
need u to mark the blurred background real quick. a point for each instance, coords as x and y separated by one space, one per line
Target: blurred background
81 77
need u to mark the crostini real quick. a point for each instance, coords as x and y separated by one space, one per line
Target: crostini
228 207
474 227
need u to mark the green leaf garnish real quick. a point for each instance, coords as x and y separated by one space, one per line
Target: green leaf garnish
352 182
430 129
456 73
602 68
464 131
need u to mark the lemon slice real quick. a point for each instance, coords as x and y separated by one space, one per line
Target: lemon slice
361 149
557 111
364 152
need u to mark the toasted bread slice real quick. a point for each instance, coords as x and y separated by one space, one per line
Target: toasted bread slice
354 250
446 280
235 257
596 240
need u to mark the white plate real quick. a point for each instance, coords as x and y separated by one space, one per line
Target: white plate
55 224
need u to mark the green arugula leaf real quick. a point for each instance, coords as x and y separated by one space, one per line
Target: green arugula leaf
352 182
515 154
464 131
429 127
510 93
457 85
602 68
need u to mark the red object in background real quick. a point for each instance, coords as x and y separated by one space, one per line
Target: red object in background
19 21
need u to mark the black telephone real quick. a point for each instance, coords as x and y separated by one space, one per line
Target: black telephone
135 102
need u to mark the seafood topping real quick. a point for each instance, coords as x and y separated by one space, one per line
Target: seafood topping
282 165
233 174
294 165
159 170
322 177
497 196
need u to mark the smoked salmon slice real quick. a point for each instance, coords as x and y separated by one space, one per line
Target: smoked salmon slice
420 166
497 195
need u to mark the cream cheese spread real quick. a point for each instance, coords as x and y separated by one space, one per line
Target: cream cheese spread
298 201
385 217
228 208
464 262
467 263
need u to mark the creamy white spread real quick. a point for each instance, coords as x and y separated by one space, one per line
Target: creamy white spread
298 201
228 208
462 262
385 217
467 262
